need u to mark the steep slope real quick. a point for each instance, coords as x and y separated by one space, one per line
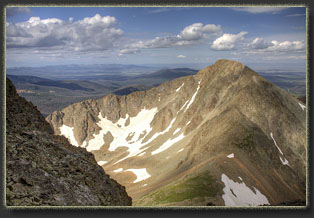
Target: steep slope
43 169
225 136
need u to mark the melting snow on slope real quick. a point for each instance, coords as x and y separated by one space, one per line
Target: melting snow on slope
178 89
168 144
271 135
139 124
193 97
283 160
230 156
189 102
68 133
302 106
141 174
238 194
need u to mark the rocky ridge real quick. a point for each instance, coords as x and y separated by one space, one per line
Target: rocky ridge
226 130
43 169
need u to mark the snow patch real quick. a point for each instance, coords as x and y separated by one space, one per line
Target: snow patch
238 194
193 97
102 162
302 106
230 156
141 174
118 170
176 131
271 135
240 178
180 150
283 160
178 89
68 133
168 144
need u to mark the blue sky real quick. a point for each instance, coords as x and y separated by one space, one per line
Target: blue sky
39 36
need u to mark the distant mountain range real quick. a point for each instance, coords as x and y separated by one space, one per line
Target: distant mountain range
82 72
50 95
224 136
47 82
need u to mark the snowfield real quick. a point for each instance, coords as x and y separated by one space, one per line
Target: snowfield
238 194
137 125
141 174
68 133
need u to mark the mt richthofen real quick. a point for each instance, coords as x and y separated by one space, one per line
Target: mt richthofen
225 136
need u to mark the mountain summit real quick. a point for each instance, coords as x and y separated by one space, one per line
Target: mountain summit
225 136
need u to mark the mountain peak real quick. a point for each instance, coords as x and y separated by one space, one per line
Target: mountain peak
219 125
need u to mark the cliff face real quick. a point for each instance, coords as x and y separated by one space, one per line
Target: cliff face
225 136
43 169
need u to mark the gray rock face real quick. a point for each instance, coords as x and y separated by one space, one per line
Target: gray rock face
224 123
43 169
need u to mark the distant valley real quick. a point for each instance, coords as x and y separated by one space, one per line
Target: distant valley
54 94
52 88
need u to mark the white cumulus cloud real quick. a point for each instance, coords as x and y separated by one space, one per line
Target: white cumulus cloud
286 46
190 35
197 31
274 45
260 43
92 33
227 41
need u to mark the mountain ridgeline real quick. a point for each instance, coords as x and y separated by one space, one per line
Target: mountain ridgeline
43 169
224 136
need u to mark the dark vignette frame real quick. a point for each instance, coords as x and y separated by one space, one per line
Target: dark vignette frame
153 211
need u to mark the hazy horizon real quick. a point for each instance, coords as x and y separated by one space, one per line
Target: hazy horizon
192 37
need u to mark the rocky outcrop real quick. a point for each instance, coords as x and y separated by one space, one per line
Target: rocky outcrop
43 169
226 130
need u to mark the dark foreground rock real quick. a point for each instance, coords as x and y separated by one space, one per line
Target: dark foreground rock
43 169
